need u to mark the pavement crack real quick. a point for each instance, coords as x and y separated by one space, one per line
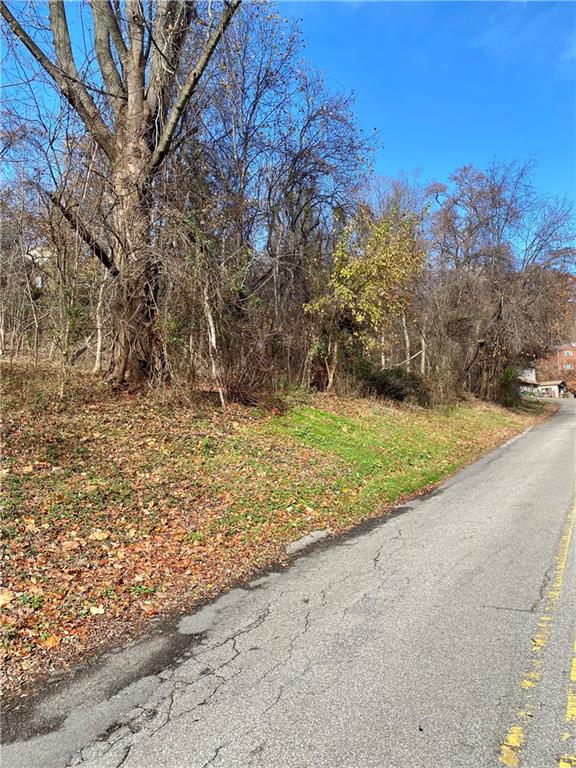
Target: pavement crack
300 634
260 619
507 608
377 556
221 680
124 757
399 537
271 706
215 755
176 689
543 586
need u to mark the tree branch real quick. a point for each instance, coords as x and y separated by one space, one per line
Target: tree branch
105 8
84 103
68 82
97 249
167 38
102 34
187 90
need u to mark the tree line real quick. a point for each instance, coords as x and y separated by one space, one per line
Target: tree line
187 201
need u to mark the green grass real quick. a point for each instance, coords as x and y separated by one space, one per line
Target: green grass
358 461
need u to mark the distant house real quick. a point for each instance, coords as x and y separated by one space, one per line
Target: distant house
529 385
559 365
552 388
528 375
527 380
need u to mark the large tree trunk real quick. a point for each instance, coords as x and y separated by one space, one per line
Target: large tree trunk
138 353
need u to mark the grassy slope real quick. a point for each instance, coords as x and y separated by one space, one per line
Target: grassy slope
119 508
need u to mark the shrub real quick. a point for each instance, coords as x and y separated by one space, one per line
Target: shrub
396 384
509 393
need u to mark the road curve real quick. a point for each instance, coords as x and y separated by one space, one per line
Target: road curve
442 637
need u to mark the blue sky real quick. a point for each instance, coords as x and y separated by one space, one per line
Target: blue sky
450 83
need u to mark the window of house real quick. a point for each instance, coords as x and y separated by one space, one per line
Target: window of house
568 353
568 366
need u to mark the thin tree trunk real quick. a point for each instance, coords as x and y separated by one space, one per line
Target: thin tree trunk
307 366
213 347
2 331
423 356
407 343
99 335
77 354
332 364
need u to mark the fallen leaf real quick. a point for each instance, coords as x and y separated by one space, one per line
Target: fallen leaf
72 544
98 535
27 469
6 596
96 610
51 641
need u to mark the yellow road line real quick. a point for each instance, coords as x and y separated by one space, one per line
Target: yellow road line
511 747
569 761
571 706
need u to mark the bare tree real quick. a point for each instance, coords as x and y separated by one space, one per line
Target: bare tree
248 208
491 297
130 92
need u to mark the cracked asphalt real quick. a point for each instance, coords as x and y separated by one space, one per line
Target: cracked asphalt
403 644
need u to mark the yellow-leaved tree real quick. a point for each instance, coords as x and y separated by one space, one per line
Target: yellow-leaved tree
376 261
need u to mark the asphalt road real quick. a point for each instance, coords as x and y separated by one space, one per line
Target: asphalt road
443 637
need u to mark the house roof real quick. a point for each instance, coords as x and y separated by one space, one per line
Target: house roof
563 345
551 383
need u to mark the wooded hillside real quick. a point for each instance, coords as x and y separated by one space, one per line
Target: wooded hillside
186 200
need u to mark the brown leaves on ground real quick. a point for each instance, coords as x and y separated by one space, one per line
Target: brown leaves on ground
121 508
116 511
